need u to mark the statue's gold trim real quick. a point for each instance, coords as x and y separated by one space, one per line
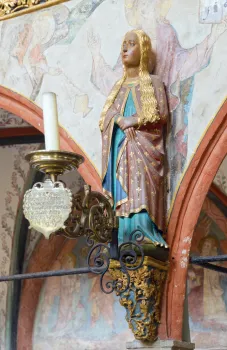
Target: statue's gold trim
124 101
131 82
109 147
138 110
24 7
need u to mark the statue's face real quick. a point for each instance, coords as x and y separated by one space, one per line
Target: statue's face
130 50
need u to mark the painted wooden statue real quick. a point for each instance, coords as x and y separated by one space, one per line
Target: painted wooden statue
132 124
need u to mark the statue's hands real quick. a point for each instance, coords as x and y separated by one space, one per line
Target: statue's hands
130 133
127 125
128 122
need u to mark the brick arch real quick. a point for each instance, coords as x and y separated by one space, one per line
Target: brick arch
187 207
45 252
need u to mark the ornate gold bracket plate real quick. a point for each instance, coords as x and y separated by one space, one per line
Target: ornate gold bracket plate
51 208
142 300
13 8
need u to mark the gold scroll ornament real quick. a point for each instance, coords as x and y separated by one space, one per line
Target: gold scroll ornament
13 8
142 300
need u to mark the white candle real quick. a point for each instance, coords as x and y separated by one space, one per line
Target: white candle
50 119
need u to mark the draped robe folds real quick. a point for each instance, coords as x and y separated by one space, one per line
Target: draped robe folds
140 162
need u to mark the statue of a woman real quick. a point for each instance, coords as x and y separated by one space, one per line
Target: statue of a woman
132 123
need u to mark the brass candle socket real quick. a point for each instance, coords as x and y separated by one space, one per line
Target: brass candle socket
54 163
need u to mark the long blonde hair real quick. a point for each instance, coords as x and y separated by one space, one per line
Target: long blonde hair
148 100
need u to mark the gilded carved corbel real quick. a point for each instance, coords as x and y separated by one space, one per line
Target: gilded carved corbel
142 299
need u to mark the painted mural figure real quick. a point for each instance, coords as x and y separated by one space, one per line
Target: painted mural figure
51 291
100 307
207 295
132 124
27 50
69 286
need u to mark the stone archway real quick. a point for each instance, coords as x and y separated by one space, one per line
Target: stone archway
187 206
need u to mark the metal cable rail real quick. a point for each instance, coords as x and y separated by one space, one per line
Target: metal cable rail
130 256
204 261
25 276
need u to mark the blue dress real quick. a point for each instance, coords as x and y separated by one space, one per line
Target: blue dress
139 220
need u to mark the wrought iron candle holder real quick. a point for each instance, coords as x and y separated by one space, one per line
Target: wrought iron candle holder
51 208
